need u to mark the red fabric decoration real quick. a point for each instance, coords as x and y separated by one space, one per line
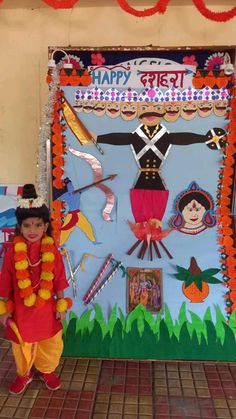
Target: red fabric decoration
61 4
216 16
160 7
148 204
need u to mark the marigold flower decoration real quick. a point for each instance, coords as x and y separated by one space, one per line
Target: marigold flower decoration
23 276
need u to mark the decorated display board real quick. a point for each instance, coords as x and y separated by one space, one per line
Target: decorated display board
142 150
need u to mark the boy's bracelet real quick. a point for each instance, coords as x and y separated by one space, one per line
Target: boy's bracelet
63 304
6 307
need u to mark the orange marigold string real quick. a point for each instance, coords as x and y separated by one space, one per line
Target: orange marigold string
225 230
27 293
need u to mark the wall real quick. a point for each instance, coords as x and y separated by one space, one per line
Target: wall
28 27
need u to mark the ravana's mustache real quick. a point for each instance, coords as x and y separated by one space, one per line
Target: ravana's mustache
172 111
147 114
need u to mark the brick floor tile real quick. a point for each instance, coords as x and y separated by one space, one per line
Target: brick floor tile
68 414
52 413
37 412
115 408
22 413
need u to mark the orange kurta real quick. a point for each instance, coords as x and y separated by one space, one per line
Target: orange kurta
34 323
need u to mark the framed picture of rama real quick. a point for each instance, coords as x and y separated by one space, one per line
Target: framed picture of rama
144 287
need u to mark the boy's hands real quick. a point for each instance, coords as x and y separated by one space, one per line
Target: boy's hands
3 318
60 316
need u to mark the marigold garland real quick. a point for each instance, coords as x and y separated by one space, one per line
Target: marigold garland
6 307
23 276
225 229
63 304
57 162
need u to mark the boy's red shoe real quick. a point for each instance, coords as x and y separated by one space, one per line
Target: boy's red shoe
51 380
20 383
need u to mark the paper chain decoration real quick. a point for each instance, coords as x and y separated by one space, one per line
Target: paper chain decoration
160 7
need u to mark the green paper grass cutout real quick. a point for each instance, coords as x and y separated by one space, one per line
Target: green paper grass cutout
144 336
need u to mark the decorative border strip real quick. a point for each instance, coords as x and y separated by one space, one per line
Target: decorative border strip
214 79
58 151
226 221
72 77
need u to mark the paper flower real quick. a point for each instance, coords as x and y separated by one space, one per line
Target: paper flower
214 61
190 60
97 59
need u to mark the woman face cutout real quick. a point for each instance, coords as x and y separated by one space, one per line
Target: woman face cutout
193 214
189 110
128 111
204 108
172 111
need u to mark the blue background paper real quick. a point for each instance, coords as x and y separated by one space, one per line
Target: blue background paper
182 166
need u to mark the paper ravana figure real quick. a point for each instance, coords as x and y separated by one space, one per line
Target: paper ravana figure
151 143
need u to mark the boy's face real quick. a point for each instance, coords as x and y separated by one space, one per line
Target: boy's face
33 229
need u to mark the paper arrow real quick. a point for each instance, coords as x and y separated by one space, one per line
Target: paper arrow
110 177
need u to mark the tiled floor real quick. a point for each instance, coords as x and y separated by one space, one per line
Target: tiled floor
116 389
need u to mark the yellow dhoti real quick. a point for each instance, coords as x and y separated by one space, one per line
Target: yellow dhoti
44 355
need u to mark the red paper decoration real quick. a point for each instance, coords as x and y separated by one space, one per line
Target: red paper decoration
60 4
160 7
216 16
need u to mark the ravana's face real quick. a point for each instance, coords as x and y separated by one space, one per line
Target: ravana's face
128 111
150 114
172 111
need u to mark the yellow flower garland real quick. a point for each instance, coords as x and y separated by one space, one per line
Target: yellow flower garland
63 304
23 276
6 307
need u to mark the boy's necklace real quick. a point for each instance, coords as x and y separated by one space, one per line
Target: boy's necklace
33 265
